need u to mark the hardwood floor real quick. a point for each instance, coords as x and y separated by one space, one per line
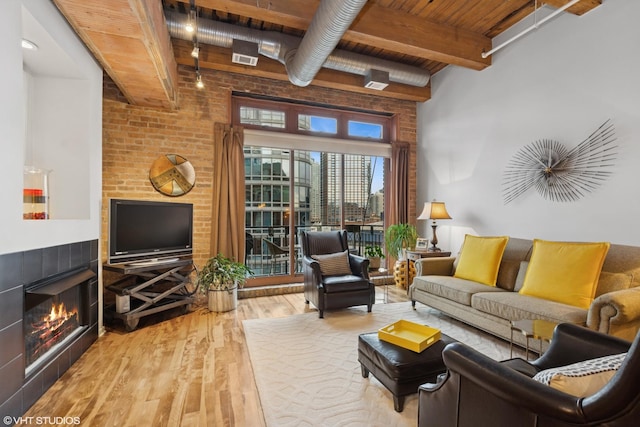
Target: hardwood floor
189 370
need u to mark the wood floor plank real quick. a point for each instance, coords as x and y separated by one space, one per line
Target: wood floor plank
142 412
174 370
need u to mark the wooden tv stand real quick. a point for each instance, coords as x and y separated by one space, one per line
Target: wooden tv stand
152 287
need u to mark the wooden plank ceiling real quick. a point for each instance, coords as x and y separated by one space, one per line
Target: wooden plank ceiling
131 40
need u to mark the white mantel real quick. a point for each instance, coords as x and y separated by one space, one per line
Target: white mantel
57 107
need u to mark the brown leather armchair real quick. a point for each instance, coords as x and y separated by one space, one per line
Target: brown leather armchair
328 292
478 391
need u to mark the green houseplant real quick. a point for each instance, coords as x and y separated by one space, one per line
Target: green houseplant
399 238
219 279
374 254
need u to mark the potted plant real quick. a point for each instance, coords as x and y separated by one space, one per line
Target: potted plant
374 254
219 279
399 238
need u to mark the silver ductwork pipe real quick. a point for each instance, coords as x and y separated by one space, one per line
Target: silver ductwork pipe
355 63
331 20
284 49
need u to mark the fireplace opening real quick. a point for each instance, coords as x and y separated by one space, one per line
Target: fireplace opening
55 313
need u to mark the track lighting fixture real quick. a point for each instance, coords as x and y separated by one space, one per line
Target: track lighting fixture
195 53
191 24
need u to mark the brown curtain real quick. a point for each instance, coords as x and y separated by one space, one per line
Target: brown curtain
227 216
398 207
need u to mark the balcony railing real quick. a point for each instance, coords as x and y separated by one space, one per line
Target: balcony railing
268 249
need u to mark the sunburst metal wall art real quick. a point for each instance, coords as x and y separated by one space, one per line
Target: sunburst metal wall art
559 174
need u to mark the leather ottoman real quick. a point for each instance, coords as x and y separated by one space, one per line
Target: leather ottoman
400 370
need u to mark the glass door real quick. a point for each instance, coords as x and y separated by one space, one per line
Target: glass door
288 191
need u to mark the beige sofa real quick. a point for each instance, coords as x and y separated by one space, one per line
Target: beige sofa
615 310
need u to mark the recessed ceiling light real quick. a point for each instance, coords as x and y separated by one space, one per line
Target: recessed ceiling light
29 45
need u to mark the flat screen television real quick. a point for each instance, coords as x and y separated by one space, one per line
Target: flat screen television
142 230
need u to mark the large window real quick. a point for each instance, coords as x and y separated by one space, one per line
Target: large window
309 182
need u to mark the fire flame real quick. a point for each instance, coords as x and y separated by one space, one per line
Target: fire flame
58 315
49 330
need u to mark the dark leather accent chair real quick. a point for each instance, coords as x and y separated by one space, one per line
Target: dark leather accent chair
478 391
334 291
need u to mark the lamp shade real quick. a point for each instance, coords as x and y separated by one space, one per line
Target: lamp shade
434 210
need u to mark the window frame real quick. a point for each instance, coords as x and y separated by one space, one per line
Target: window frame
292 110
291 138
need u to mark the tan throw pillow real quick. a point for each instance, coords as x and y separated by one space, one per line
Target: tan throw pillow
507 274
611 282
565 272
480 258
583 378
521 274
333 264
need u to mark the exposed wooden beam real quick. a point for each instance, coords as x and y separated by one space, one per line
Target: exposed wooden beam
416 36
401 32
131 41
290 13
217 58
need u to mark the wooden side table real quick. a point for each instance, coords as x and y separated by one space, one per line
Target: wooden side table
415 255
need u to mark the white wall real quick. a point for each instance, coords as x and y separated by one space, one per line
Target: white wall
59 125
559 82
80 153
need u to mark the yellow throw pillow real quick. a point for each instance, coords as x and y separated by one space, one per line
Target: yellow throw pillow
565 272
480 258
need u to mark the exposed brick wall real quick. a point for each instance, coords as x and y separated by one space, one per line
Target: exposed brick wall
133 137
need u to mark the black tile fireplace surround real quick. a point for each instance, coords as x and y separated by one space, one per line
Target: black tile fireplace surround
17 271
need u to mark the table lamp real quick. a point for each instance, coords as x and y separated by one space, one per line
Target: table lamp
433 211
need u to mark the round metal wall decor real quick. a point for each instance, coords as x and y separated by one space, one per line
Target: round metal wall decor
172 175
559 174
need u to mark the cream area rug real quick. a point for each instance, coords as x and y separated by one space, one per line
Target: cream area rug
307 369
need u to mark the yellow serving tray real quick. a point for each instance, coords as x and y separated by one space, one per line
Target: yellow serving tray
409 335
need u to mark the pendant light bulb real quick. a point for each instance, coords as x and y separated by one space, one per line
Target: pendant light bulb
199 83
189 27
195 53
